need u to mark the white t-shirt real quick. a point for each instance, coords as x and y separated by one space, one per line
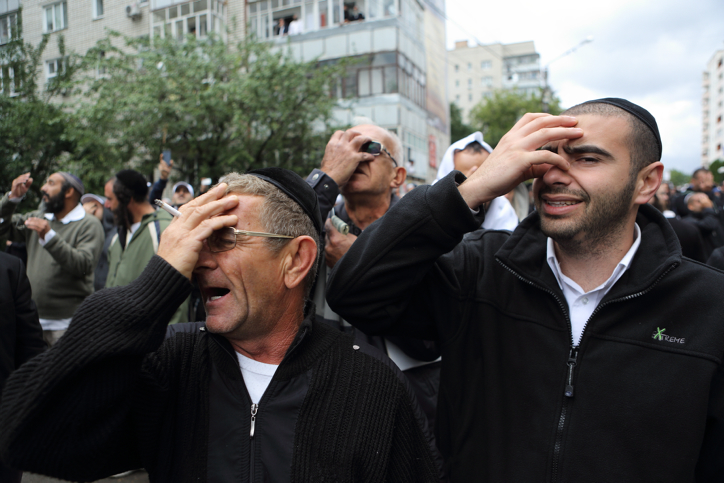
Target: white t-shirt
257 376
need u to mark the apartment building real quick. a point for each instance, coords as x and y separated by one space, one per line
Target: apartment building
712 138
475 72
387 81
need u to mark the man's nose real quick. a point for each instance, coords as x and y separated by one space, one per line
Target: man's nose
207 259
556 175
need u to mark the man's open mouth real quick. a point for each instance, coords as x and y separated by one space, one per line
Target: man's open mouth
215 293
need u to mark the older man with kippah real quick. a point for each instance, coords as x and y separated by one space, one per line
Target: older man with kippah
63 243
570 348
262 392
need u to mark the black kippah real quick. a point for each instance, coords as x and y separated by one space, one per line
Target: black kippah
134 181
639 112
296 188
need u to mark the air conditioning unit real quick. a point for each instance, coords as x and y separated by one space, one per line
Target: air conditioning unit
133 11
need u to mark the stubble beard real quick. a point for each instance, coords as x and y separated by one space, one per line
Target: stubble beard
55 204
602 222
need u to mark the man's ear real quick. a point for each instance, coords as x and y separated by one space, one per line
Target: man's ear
300 255
647 184
70 193
400 176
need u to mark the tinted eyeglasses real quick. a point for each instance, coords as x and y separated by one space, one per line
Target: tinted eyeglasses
375 148
225 239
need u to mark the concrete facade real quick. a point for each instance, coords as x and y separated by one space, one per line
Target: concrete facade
712 104
475 72
387 82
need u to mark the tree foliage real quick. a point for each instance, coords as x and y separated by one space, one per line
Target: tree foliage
679 178
218 109
496 115
714 167
458 129
34 120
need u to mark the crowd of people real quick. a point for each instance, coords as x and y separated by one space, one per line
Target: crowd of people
477 329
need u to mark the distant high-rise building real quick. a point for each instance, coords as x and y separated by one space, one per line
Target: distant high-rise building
474 72
712 137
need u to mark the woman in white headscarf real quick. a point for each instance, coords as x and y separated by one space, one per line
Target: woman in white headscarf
499 214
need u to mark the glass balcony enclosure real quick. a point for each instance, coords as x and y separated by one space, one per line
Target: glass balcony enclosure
178 18
273 18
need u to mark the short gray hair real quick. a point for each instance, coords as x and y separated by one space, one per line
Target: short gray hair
279 214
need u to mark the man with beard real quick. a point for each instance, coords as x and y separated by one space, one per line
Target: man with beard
63 243
139 231
570 348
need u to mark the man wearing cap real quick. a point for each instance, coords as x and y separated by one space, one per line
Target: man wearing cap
95 205
63 244
261 392
139 231
183 192
570 351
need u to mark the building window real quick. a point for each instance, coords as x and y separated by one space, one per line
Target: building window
486 64
457 98
53 68
7 80
457 68
196 18
457 83
56 17
8 25
470 83
97 8
487 81
470 97
470 66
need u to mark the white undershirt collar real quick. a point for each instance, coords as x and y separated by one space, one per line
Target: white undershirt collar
581 304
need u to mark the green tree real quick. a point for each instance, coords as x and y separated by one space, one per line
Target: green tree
496 115
34 120
679 178
714 167
458 129
217 108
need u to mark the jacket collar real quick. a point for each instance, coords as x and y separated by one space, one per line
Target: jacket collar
341 211
311 341
525 254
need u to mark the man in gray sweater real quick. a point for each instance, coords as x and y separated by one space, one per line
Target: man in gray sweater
63 243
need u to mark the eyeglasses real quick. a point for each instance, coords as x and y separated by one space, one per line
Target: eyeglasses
375 148
225 239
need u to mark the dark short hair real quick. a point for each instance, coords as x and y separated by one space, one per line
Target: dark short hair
130 184
475 148
699 170
642 144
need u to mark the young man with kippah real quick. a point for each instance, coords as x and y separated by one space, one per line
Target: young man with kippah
64 244
570 352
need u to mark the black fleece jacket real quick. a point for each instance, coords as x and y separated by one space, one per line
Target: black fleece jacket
113 395
642 399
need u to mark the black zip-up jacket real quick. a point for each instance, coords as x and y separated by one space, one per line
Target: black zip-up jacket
641 399
114 395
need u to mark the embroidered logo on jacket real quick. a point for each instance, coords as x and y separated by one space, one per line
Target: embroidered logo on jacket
659 335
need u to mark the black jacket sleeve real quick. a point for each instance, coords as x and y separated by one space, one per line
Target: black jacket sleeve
326 189
394 280
69 412
28 333
156 192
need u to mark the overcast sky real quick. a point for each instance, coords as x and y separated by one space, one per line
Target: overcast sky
652 53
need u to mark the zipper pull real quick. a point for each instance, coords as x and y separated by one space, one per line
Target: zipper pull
572 357
254 409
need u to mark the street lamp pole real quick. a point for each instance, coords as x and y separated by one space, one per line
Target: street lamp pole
546 98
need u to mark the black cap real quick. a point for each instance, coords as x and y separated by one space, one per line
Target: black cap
637 111
134 181
296 188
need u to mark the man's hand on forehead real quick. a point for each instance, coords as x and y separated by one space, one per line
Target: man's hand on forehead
518 157
184 238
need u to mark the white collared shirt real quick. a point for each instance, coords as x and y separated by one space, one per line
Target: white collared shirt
76 214
581 304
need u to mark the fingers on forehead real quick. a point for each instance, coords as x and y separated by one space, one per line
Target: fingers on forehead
543 136
543 121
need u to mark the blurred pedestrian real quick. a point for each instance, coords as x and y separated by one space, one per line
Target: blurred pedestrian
21 337
466 156
361 164
96 205
139 232
64 244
